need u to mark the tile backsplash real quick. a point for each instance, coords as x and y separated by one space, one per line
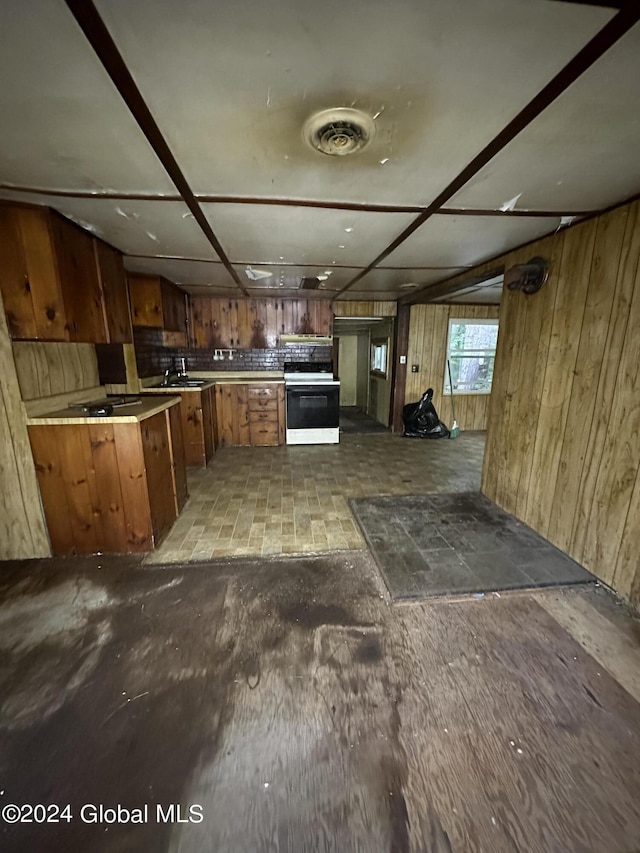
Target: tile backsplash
153 358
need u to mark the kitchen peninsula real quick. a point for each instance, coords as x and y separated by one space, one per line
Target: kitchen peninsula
112 483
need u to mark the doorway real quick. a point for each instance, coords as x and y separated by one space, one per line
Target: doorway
363 355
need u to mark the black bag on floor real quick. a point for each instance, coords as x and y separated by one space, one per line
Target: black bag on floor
421 419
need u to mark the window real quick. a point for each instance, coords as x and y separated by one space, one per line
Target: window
379 354
471 351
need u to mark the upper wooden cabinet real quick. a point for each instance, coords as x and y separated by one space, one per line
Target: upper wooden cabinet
256 323
113 281
78 275
58 282
157 302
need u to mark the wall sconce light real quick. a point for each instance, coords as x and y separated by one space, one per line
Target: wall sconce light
528 277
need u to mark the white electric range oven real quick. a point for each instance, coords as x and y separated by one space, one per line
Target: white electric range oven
312 403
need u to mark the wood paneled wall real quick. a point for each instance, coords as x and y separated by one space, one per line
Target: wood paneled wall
344 308
428 331
23 532
48 369
563 445
255 323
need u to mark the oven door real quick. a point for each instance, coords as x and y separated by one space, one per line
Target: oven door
313 406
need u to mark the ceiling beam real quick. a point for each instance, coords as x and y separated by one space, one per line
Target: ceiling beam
609 4
92 25
620 24
358 207
445 288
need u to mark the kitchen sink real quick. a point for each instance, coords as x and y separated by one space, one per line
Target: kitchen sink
181 383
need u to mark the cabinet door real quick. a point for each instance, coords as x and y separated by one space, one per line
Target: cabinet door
209 423
178 457
146 300
158 465
191 412
14 281
174 314
232 414
79 281
113 282
30 284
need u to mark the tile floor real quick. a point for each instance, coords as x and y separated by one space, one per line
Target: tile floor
457 543
263 501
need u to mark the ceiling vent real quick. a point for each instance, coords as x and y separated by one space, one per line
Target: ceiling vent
339 131
310 283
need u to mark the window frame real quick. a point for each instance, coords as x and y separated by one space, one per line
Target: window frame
473 353
379 343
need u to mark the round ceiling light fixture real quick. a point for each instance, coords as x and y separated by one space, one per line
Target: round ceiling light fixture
339 132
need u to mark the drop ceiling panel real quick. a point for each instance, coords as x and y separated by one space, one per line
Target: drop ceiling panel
184 272
64 125
211 274
267 233
133 227
336 277
467 240
381 279
582 152
231 85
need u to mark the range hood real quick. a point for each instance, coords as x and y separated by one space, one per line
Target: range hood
309 340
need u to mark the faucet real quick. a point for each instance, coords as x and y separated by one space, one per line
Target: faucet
169 372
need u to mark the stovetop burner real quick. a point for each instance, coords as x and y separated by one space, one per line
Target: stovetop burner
308 367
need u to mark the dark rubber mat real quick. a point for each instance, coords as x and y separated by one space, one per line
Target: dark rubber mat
458 543
353 419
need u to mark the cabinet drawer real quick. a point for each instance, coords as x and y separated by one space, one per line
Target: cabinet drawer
263 434
263 417
262 392
263 404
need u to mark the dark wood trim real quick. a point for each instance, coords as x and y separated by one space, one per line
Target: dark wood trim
608 4
287 263
111 195
399 371
100 39
300 202
618 26
443 288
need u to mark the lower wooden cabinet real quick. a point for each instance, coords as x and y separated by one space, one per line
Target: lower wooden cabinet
109 486
250 414
232 414
197 410
178 457
263 415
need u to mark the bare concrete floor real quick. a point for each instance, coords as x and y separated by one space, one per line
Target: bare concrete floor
287 705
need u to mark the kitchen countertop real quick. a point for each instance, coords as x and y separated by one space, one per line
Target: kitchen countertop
122 415
215 377
175 389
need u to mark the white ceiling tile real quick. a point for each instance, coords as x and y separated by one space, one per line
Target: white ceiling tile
184 272
448 240
64 125
581 153
265 233
385 279
133 227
